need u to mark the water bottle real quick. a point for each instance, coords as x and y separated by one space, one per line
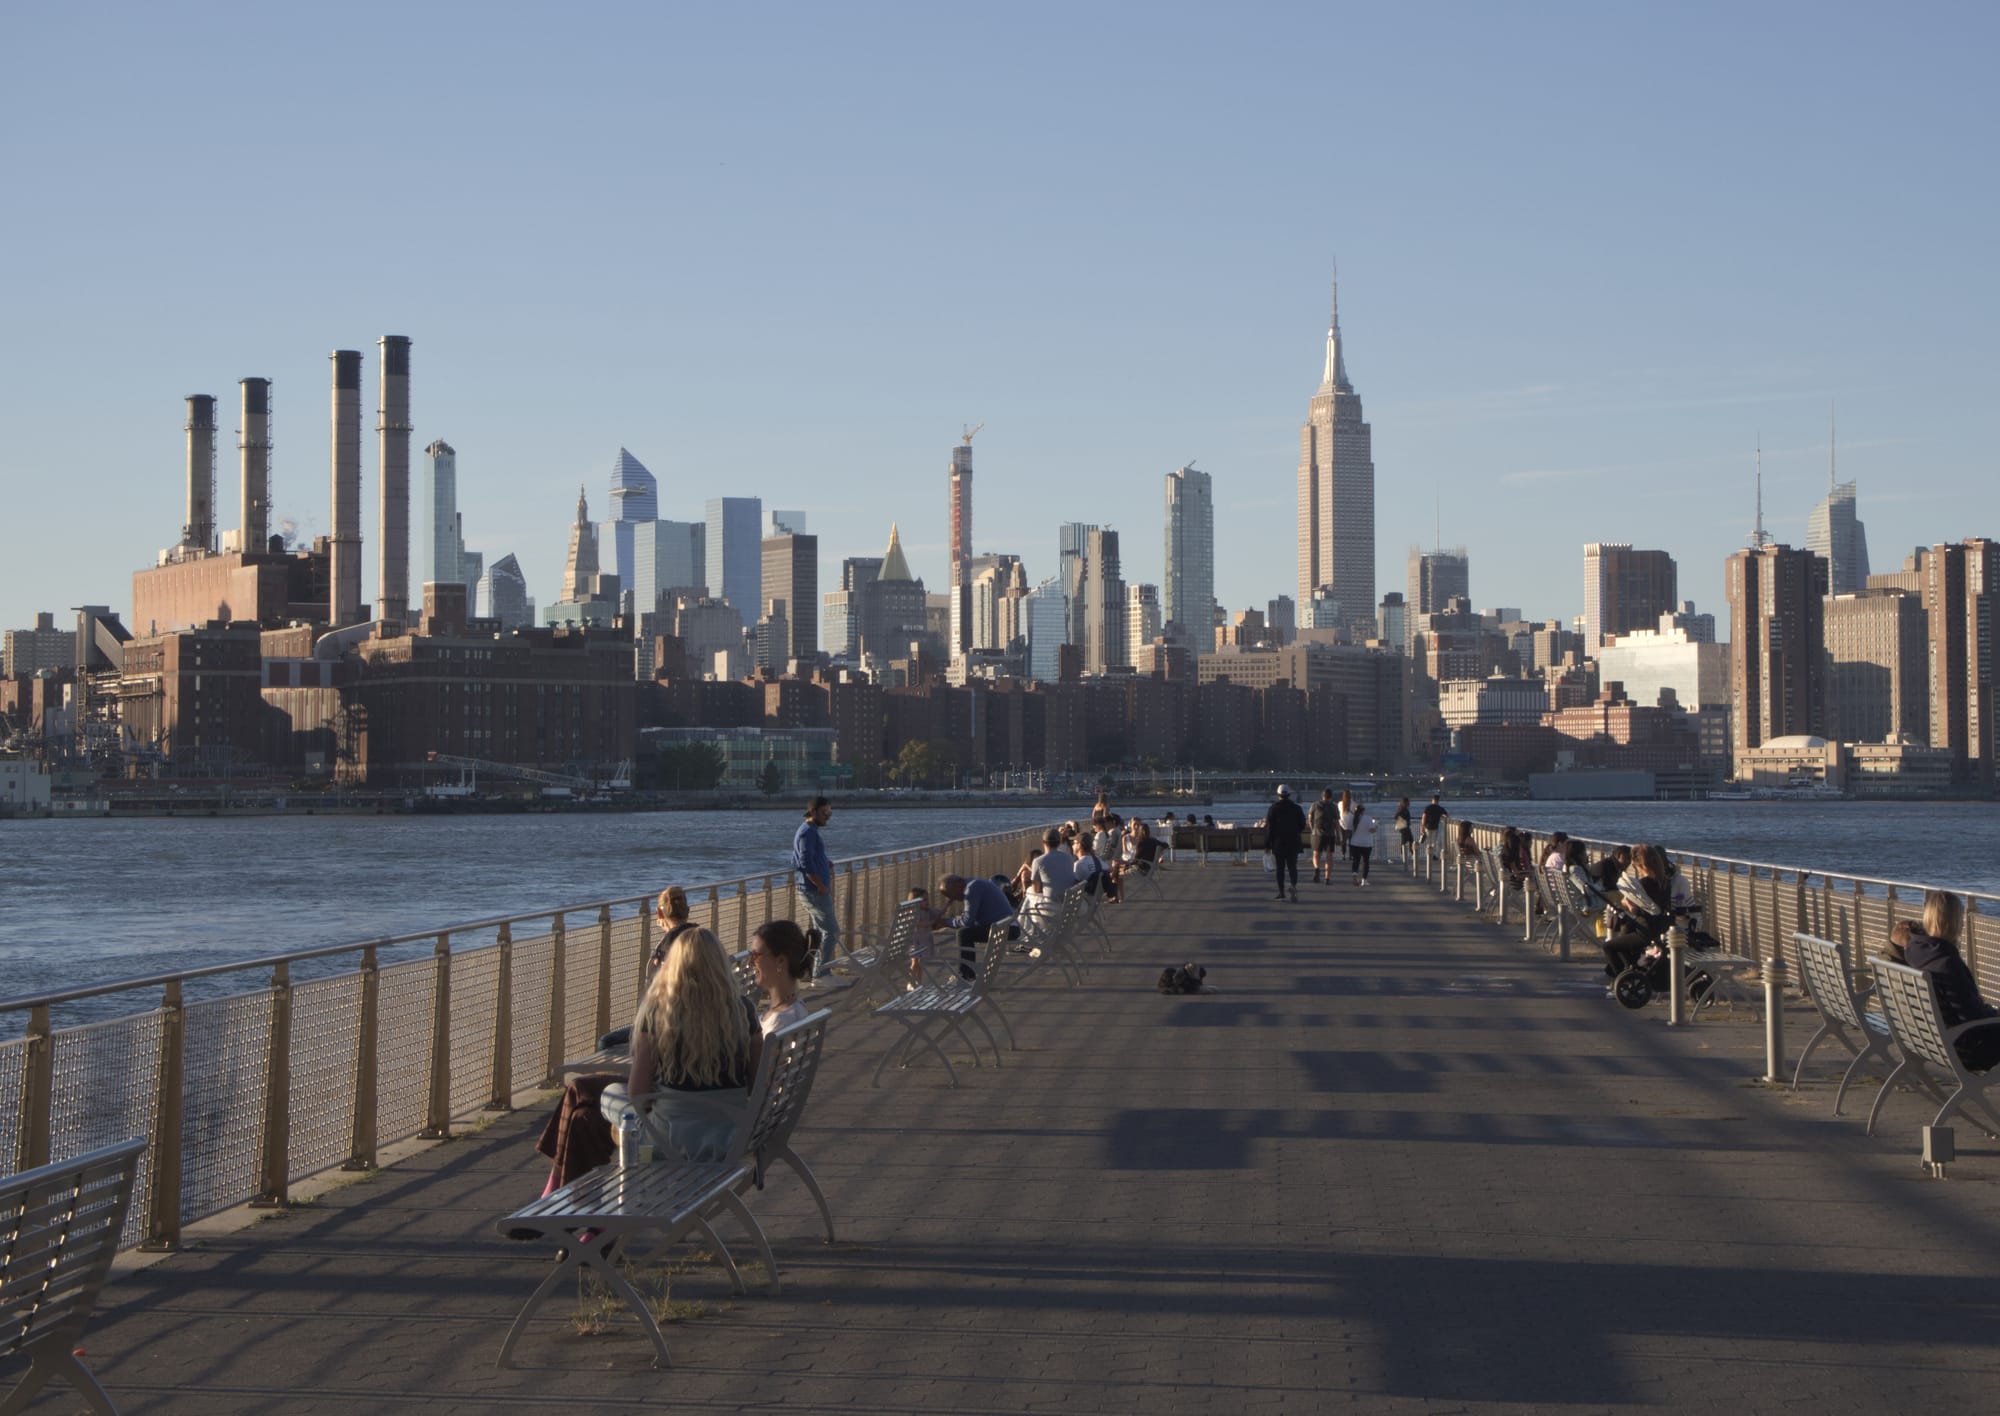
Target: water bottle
628 1138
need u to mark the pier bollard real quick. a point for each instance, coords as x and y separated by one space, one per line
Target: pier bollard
1774 1018
1677 1014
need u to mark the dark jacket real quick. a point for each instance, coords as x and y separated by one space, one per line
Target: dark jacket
1957 995
1284 827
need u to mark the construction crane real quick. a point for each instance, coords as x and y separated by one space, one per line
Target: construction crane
967 439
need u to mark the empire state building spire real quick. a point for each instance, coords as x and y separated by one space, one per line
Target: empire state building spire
1335 377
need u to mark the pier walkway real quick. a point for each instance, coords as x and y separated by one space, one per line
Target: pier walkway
1396 1161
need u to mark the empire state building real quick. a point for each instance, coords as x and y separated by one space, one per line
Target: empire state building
1337 495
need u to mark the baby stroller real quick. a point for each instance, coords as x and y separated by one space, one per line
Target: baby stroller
1635 987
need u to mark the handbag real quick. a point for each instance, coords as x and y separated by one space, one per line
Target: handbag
1270 863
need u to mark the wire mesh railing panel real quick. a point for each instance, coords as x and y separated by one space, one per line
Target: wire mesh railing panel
326 1027
625 962
104 1088
475 995
406 996
13 1057
580 993
227 1050
625 945
534 964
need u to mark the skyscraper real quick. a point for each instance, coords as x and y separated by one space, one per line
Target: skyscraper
580 566
791 574
1142 616
1962 604
1072 562
635 501
784 523
1187 600
1777 653
434 525
1048 629
1878 660
1436 577
735 554
1624 590
889 603
1337 492
1836 535
961 544
1103 604
666 556
503 594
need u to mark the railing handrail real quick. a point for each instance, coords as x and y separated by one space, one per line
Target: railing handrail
1801 871
725 888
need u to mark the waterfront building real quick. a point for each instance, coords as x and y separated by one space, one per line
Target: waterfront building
1187 590
1487 702
1436 578
803 756
735 551
1878 662
1047 608
437 535
1777 658
503 594
1623 590
791 575
1336 490
195 697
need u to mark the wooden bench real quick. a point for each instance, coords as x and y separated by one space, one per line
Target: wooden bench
1929 1060
949 1002
671 1198
1844 1015
59 1229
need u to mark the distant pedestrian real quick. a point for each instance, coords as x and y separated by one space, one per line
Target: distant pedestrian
1323 825
1402 825
1284 836
1361 841
814 869
1433 822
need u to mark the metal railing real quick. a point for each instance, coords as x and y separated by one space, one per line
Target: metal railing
1754 907
244 1094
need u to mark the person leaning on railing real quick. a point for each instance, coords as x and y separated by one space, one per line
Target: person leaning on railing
1933 948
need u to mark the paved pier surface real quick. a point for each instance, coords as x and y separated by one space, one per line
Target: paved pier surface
1397 1161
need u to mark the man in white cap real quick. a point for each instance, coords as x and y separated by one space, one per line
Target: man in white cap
1284 836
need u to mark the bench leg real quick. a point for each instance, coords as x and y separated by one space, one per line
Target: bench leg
736 1283
56 1360
804 1172
916 1035
990 1040
1825 1031
755 1230
1888 1085
580 1258
1839 1095
987 1001
965 1037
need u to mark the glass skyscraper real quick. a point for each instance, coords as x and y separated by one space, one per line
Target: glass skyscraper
1188 591
736 552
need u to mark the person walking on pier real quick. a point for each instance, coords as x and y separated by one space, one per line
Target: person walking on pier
1433 822
814 869
1323 823
1284 837
1361 841
1404 839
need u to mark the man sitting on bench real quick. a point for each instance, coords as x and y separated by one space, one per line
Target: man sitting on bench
981 905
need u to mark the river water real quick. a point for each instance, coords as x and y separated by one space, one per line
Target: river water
85 901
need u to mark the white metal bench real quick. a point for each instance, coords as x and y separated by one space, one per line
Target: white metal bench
1929 1060
884 964
1844 1016
671 1198
59 1228
926 1011
1049 936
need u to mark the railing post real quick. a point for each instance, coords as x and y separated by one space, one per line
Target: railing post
558 1024
501 1094
38 1071
274 1154
603 974
743 914
1677 1014
362 1140
852 919
1774 1017
437 1105
163 1216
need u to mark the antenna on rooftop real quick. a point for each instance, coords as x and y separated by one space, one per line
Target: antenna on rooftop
1758 540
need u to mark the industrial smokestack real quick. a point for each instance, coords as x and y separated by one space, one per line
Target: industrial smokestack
198 534
392 427
254 446
344 569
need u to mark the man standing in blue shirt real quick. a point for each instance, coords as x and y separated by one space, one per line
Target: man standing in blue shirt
814 869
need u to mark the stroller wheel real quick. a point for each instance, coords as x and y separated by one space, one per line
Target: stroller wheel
1632 988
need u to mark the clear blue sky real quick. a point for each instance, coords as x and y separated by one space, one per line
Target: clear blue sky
1588 254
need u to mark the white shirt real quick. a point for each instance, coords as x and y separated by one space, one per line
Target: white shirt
1362 832
792 1012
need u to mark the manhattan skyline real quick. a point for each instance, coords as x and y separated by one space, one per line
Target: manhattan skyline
1577 291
